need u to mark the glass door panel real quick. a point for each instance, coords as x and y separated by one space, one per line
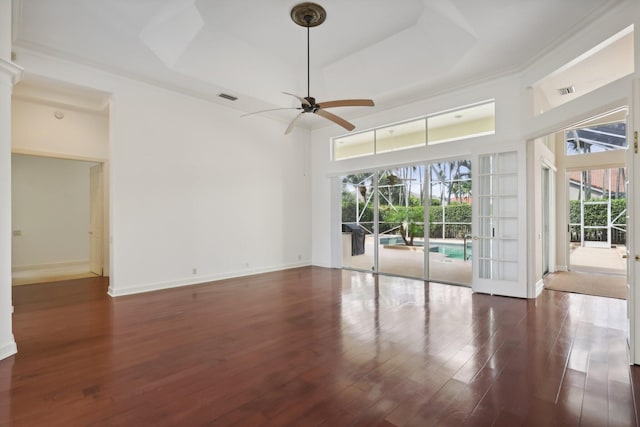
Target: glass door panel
401 221
598 214
497 243
450 216
357 221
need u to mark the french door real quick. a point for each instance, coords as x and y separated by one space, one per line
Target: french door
499 221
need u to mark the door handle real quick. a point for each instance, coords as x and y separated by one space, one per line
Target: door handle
625 256
637 257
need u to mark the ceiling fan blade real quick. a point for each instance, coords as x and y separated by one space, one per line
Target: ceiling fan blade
347 103
337 120
293 123
299 98
271 109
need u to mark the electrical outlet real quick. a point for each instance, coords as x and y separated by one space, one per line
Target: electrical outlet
17 232
194 271
299 257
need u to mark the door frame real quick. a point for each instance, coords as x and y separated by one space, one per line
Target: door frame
106 221
96 219
551 206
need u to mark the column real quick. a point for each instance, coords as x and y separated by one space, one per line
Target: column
9 75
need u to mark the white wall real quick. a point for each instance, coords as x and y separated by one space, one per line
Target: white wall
50 209
194 186
80 134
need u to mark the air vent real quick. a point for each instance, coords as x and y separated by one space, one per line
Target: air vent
567 90
227 96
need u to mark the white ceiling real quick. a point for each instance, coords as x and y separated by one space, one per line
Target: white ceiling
389 50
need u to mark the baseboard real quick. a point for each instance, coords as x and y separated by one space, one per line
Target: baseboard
65 264
561 268
539 287
137 289
8 349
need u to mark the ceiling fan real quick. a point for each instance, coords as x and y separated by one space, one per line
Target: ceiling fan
311 15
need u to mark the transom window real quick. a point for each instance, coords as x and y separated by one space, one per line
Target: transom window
461 123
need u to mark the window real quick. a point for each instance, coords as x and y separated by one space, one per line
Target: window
594 139
357 145
401 136
459 124
463 123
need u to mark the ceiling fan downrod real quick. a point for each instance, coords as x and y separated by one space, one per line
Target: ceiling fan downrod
308 15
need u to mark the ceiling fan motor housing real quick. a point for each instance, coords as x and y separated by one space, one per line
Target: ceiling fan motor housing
312 107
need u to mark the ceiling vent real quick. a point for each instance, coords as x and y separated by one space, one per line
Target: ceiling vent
227 96
567 90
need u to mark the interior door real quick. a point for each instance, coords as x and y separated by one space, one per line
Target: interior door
95 219
499 221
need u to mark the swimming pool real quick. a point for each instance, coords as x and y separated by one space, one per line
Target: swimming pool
451 250
397 240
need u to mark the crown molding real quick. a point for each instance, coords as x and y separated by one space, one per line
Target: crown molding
11 70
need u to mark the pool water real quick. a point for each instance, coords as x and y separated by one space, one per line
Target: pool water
451 250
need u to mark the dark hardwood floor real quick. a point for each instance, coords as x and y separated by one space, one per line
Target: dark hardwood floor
314 346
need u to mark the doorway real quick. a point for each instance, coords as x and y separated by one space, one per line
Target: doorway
596 207
57 211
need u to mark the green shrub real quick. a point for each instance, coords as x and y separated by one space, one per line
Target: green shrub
596 215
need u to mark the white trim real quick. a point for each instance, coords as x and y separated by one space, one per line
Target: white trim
8 349
561 268
137 289
547 164
12 70
539 287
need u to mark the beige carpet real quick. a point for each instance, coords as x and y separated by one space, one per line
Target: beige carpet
604 285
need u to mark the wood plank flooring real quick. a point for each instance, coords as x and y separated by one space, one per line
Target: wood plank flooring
315 347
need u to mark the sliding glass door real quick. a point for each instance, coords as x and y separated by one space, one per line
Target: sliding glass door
357 207
385 215
401 221
450 243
